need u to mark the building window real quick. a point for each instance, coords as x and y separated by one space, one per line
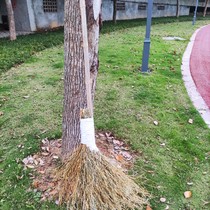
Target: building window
142 6
50 5
161 7
120 5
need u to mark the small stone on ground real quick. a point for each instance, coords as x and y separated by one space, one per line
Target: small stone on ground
173 38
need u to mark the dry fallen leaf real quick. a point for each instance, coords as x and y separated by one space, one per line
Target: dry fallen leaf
162 200
167 207
25 97
25 161
126 155
59 145
20 146
116 147
206 202
41 172
30 166
148 208
30 159
43 199
190 121
53 192
41 162
119 158
108 134
43 148
35 184
155 122
36 162
1 113
101 135
44 141
188 194
196 160
35 156
125 148
117 142
20 177
45 153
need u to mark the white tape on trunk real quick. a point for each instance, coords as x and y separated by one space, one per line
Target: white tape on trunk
96 8
88 133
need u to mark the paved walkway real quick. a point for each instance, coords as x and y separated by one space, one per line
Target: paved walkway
4 34
200 63
196 71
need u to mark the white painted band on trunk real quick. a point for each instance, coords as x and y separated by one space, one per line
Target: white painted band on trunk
88 133
96 8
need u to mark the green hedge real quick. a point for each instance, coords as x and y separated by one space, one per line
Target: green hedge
108 26
16 52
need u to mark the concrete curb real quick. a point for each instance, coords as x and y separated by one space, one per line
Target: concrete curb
193 93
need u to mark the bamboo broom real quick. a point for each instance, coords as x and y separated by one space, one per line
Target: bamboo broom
87 121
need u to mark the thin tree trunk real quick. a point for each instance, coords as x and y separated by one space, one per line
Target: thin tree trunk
74 85
11 20
114 11
205 9
177 8
93 41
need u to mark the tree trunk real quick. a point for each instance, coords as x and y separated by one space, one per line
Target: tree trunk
74 85
93 25
177 8
205 9
11 20
114 11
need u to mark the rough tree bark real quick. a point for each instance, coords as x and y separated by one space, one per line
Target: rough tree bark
205 9
93 40
11 20
177 8
114 11
74 86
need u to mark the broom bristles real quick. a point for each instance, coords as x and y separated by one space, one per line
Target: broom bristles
87 181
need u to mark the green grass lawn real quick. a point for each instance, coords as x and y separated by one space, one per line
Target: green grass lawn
173 153
16 52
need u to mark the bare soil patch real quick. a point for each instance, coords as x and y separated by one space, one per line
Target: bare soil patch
45 163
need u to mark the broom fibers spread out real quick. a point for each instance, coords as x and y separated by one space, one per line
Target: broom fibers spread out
87 181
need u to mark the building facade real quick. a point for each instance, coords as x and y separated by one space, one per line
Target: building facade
131 9
34 15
